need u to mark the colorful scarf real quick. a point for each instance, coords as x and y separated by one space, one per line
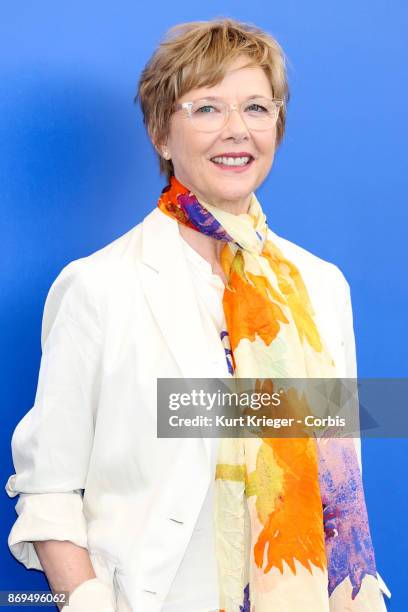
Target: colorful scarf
291 523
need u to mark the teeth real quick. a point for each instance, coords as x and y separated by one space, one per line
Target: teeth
231 161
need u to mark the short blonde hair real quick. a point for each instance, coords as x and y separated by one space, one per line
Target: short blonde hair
198 54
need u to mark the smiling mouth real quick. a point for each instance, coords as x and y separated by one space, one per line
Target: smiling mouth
233 162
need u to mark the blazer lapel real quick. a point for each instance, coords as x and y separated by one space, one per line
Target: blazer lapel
170 292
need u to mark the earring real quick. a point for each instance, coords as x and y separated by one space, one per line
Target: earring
166 153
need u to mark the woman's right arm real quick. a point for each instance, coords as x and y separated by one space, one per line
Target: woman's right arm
52 445
65 564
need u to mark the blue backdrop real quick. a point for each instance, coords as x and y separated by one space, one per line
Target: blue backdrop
77 171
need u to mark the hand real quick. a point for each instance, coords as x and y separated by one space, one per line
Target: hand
92 595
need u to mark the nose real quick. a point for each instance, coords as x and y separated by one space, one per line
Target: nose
235 126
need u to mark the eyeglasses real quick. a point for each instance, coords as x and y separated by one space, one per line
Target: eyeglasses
212 114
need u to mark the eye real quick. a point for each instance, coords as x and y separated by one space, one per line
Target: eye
256 108
206 108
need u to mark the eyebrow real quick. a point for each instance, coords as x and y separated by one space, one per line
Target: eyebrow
220 98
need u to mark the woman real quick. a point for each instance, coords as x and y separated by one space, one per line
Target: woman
200 288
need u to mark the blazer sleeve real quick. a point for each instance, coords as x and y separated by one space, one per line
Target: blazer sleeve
52 444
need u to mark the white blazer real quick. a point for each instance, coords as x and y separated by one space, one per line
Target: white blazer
113 323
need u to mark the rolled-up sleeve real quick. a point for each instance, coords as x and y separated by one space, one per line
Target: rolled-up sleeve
52 444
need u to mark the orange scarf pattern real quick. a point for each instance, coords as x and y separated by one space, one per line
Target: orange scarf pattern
290 517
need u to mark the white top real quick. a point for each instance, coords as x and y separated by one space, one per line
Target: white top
195 587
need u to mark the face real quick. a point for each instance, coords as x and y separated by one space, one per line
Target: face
192 151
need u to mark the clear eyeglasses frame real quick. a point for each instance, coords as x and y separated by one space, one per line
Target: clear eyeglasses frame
212 114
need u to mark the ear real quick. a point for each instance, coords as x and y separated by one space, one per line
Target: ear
160 146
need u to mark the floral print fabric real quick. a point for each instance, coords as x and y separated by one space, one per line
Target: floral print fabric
291 522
